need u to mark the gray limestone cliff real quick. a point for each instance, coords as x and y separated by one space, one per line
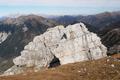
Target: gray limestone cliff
69 44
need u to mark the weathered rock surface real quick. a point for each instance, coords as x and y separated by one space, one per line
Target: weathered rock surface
71 44
3 36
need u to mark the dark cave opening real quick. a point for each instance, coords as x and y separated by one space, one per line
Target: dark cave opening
55 62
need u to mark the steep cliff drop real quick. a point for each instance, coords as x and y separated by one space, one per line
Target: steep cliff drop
59 45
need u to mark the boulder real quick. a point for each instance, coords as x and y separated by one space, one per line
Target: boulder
69 44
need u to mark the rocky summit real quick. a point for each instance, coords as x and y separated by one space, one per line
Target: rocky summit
59 45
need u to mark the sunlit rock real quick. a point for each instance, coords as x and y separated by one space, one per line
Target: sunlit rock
69 44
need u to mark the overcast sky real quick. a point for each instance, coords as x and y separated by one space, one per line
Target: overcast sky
57 7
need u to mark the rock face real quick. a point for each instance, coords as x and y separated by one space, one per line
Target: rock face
3 36
71 44
112 40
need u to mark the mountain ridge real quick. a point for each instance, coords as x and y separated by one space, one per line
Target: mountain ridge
23 29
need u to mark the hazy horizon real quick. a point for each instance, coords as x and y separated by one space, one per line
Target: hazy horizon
58 7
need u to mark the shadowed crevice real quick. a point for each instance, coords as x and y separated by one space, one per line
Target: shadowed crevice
55 62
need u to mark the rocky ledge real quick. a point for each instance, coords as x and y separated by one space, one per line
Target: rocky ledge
59 45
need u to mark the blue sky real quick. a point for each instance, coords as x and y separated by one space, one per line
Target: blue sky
57 7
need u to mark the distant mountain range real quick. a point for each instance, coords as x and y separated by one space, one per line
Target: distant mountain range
106 25
24 28
99 20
